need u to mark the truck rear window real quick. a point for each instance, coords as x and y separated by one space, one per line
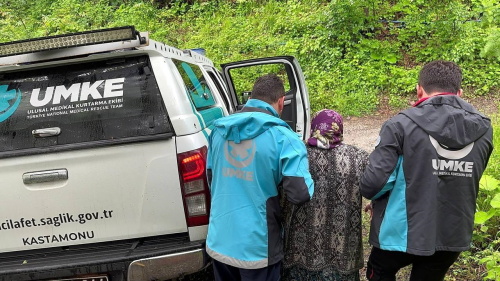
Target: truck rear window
96 101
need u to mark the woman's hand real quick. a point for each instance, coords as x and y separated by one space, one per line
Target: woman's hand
369 208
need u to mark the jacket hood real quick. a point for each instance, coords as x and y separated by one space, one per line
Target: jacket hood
450 120
254 119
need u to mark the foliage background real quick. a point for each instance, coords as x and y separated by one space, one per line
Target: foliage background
355 54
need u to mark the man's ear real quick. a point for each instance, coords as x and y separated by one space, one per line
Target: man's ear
460 92
420 92
281 104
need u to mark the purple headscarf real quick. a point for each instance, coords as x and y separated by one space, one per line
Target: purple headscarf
327 129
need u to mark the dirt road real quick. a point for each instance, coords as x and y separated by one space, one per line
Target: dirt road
363 131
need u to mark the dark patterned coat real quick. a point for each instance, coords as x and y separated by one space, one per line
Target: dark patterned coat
325 233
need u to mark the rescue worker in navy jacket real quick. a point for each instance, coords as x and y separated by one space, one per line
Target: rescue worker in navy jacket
252 153
423 179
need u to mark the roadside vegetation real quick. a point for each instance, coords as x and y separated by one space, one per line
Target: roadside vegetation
355 54
486 239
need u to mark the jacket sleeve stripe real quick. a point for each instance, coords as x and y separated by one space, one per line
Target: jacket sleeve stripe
383 162
390 183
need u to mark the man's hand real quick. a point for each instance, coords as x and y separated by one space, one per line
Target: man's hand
369 208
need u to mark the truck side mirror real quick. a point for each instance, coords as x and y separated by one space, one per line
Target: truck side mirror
245 97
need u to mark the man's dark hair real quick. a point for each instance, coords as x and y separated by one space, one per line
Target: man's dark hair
268 88
440 76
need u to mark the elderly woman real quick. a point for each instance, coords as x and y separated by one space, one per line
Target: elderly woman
323 237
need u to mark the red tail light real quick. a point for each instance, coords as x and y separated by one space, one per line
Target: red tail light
195 192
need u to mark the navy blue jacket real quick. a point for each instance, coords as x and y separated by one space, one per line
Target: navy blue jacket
423 177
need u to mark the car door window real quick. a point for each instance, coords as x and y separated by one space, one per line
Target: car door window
241 75
200 93
196 85
245 77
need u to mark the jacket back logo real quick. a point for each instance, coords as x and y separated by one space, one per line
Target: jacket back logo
239 155
452 167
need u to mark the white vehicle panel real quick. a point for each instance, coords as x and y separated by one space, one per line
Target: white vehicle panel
137 183
194 141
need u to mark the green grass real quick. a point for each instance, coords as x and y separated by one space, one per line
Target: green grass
350 58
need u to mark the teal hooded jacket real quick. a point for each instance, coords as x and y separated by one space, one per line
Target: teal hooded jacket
252 156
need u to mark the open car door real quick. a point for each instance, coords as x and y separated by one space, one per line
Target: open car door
240 77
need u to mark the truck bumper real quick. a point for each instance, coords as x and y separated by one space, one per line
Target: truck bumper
168 266
166 257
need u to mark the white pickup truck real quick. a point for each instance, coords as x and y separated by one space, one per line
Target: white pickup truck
103 138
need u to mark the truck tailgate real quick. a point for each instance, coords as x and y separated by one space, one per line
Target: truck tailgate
87 154
111 193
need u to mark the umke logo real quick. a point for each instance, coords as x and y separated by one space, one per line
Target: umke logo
451 166
9 102
239 155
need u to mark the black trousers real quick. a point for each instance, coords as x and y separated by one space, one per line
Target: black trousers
383 265
224 272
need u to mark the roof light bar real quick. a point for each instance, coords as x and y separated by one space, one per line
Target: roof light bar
69 40
200 51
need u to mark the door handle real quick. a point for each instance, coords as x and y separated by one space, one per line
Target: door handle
45 176
287 102
47 132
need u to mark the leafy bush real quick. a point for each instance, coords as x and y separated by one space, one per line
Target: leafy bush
352 52
486 237
487 233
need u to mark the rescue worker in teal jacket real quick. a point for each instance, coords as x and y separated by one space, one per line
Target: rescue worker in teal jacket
252 155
